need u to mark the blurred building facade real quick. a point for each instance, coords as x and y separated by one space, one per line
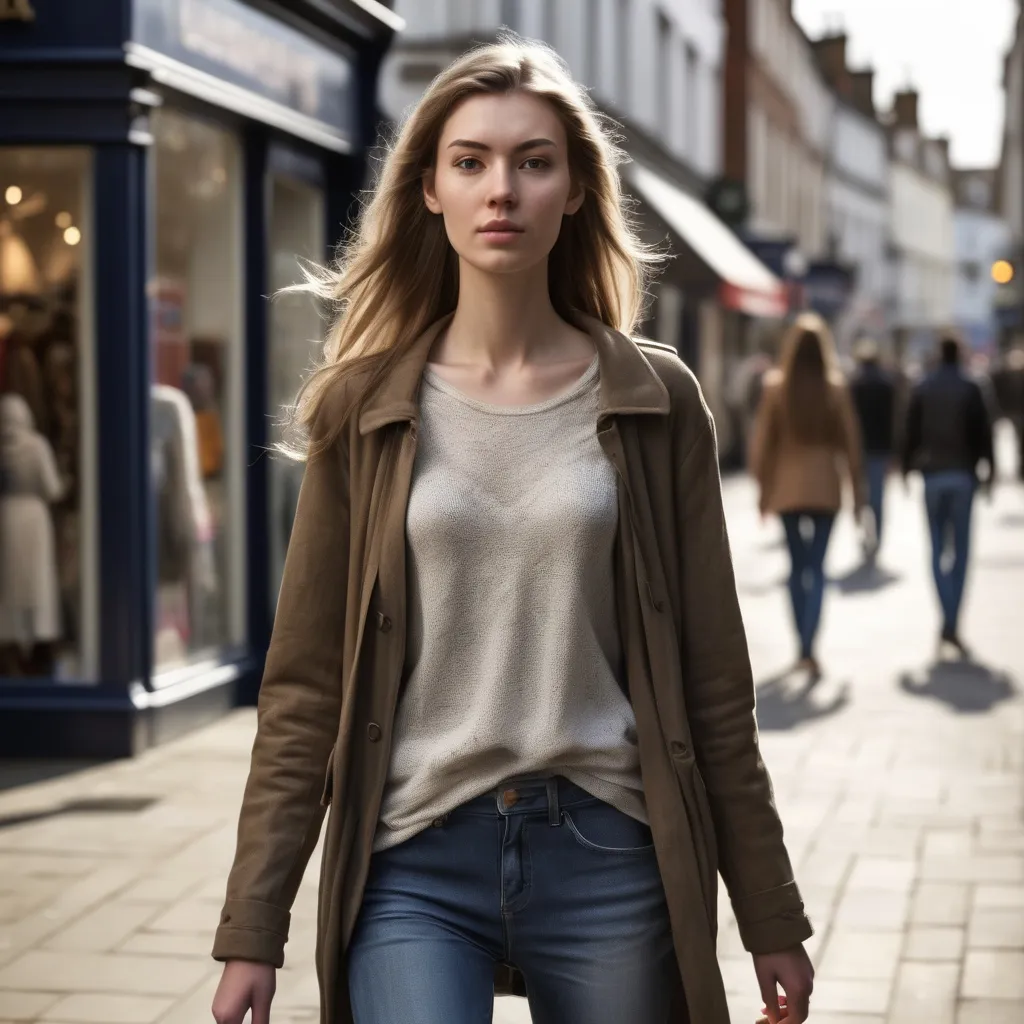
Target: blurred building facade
981 238
1010 186
856 199
162 164
657 68
921 254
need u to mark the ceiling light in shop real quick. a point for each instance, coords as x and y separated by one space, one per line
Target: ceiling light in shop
13 195
63 219
72 236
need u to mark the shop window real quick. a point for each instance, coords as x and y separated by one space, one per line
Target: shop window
296 232
47 499
197 440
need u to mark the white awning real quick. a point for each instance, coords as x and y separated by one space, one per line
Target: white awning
746 283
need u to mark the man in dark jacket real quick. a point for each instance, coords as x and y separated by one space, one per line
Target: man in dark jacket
874 397
949 431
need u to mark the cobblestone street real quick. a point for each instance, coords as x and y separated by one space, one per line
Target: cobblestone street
900 781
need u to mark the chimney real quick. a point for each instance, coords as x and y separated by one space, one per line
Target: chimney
942 141
862 90
831 53
905 107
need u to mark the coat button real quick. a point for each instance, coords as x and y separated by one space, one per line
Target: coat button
373 732
383 622
679 749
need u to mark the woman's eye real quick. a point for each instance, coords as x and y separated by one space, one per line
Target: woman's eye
467 160
535 163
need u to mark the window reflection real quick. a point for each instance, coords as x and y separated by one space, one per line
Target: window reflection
196 417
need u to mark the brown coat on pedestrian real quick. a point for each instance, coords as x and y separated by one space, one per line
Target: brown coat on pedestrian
795 476
334 673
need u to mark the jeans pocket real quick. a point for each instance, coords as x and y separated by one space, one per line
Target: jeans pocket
604 829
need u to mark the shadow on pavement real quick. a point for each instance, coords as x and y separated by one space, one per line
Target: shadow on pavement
865 577
783 702
966 686
24 773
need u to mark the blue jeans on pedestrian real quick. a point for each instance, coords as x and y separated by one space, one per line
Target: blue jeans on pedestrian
949 499
539 875
807 535
877 470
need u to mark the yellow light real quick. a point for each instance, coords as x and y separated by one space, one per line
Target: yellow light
13 195
1002 271
63 219
72 236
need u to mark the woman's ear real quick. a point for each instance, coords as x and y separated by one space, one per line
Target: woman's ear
575 200
429 192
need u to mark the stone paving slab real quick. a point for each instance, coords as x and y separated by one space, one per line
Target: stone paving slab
900 779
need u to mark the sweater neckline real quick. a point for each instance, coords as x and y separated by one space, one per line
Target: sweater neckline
582 384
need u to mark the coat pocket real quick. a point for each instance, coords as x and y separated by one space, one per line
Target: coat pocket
328 790
705 844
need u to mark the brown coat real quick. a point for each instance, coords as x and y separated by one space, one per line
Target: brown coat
334 672
795 476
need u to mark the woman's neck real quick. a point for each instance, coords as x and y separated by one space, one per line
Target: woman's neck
502 321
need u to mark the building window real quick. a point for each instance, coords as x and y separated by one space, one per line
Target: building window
624 62
197 446
663 76
296 231
691 99
47 440
511 15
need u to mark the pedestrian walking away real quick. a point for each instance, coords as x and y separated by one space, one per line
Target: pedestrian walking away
508 660
948 434
805 441
874 397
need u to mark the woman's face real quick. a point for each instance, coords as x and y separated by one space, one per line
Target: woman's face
501 181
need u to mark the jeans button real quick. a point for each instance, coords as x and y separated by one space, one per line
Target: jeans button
510 798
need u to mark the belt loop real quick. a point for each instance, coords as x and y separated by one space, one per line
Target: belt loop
554 810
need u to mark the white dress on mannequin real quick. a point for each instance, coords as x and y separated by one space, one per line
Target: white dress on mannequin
29 484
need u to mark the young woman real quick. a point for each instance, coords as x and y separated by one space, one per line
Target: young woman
805 439
508 653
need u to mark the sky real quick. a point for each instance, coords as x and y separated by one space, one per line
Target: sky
950 50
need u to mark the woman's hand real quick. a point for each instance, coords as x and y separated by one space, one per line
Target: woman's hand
244 985
792 972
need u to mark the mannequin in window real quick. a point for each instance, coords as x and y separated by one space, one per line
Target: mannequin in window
29 591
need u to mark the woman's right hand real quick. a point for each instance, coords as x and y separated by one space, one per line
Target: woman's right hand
244 985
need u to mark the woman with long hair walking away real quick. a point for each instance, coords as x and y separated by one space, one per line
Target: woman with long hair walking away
806 441
508 658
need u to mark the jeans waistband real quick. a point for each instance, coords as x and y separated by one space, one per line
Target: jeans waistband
531 795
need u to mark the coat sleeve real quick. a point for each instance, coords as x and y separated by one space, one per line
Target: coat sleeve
719 693
297 721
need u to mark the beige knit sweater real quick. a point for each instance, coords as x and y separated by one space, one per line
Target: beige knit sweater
513 656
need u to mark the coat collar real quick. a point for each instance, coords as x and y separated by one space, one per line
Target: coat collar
629 384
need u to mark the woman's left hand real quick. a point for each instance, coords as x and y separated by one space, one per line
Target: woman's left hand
792 972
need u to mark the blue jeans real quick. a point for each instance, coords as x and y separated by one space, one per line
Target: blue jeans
546 878
877 470
807 535
949 499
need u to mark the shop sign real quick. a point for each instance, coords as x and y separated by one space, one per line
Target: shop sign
17 10
245 47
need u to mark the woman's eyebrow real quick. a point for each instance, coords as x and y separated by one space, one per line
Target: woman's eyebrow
484 148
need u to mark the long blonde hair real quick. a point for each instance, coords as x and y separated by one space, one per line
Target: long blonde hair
398 273
809 372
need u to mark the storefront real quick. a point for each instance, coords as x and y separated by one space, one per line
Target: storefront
164 164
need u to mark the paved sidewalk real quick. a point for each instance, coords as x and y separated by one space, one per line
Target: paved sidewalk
900 782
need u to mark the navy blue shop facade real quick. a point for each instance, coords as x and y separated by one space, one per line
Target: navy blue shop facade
163 163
